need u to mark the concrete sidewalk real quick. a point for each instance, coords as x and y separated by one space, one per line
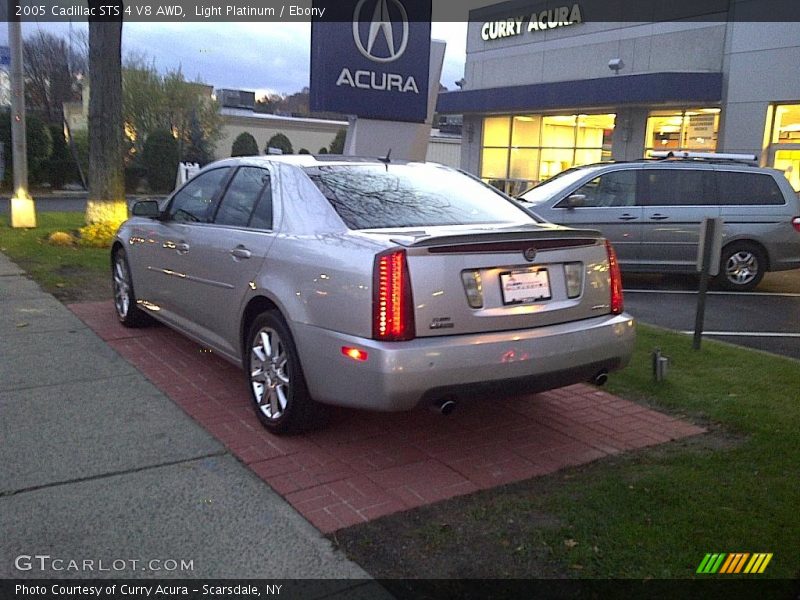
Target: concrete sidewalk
97 464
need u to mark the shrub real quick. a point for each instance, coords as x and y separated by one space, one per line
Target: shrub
160 160
133 178
80 139
39 144
98 235
280 141
323 150
244 145
304 151
60 166
337 145
61 238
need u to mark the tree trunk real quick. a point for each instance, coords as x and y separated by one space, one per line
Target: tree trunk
106 167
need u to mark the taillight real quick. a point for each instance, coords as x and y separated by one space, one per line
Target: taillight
616 280
392 305
796 224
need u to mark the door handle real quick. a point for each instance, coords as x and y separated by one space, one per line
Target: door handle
659 217
241 252
627 217
182 247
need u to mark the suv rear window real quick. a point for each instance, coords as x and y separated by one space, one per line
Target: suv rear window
748 188
384 196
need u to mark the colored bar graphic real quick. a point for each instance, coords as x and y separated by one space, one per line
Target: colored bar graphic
765 563
733 563
711 563
727 565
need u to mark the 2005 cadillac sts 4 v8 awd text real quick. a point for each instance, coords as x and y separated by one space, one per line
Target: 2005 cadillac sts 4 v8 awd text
370 284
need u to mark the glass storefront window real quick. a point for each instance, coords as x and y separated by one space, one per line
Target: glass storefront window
523 163
495 163
691 129
787 124
783 133
496 131
521 150
788 161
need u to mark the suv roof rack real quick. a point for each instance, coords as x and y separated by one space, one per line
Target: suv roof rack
709 156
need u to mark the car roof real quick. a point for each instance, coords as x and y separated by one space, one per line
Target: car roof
313 160
681 163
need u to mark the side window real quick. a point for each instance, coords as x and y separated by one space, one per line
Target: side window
242 196
678 187
191 204
748 188
617 188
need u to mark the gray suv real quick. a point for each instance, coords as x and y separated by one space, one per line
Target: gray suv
652 211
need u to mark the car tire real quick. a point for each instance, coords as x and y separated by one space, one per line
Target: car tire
275 378
128 311
741 267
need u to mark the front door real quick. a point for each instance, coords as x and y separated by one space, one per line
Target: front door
608 205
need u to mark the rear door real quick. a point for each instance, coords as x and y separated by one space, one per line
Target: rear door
675 202
610 207
227 255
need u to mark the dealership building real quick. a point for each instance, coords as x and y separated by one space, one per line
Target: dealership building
549 88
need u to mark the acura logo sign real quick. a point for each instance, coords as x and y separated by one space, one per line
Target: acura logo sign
380 25
529 254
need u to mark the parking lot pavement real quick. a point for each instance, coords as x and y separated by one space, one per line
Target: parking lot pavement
765 319
365 465
97 464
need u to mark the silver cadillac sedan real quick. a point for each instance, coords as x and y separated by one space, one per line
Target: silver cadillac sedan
370 283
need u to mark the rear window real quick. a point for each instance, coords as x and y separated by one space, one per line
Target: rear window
385 196
748 188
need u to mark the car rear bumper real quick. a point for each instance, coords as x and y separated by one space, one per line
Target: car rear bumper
399 375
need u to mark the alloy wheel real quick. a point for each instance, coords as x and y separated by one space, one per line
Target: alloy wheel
741 267
122 287
269 375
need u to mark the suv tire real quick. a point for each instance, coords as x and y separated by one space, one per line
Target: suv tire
741 267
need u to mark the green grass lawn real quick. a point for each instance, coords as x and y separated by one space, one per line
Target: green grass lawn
653 513
70 273
657 514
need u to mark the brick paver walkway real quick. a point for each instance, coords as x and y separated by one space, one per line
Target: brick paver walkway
365 465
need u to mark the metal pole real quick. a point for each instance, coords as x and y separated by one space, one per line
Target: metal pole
708 249
23 213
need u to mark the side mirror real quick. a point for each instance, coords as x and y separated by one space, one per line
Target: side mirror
146 208
575 200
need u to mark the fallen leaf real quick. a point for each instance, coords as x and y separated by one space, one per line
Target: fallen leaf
22 324
570 543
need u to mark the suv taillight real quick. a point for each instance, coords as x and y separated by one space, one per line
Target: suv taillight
796 223
616 280
392 304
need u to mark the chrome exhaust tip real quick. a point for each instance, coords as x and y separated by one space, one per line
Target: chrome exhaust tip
601 378
444 406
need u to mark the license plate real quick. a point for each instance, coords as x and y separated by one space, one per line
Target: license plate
525 285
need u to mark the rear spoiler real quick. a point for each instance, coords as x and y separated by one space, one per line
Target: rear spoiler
542 236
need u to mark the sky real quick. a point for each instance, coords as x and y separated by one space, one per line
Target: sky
250 56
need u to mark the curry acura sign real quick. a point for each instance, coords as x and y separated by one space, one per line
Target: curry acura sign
538 21
370 58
